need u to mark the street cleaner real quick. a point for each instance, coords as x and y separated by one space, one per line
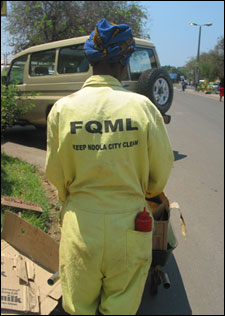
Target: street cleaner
107 150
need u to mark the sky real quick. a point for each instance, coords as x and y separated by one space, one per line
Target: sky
175 40
168 25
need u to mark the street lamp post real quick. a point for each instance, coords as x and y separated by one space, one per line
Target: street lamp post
198 53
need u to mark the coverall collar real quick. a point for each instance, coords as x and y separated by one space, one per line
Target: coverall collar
101 80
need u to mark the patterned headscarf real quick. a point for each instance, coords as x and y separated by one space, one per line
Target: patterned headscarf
110 43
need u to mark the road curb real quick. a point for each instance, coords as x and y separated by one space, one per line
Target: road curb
201 94
211 96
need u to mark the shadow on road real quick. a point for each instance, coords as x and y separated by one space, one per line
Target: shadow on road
27 136
178 156
173 301
32 137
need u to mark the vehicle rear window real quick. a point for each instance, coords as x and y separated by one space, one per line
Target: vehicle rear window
141 60
42 63
17 70
72 60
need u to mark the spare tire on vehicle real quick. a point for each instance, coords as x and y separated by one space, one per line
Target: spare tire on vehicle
158 87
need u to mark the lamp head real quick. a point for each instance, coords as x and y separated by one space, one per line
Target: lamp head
193 24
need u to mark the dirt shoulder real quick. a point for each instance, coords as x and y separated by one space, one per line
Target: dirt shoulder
29 144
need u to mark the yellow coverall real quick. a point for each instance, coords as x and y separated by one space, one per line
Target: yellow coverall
107 149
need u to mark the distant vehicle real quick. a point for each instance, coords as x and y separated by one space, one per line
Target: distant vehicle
173 76
216 87
182 78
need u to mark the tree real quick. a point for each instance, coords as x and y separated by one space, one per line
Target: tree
217 58
211 65
37 22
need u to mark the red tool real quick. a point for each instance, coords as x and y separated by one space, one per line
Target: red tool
143 222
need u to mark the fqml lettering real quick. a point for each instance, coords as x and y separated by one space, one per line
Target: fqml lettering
106 127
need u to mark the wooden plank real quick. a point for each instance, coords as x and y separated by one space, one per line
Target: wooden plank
9 201
31 242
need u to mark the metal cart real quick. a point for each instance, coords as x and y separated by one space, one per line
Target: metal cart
160 259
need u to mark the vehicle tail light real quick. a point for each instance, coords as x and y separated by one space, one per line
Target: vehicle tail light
166 118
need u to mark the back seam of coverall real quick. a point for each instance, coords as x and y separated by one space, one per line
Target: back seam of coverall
104 247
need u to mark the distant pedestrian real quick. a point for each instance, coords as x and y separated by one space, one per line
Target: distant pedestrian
221 87
183 85
195 85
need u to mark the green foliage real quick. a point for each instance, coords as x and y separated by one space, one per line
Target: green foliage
37 22
11 111
211 64
19 180
207 87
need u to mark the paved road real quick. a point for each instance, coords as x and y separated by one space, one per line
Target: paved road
197 184
26 143
196 268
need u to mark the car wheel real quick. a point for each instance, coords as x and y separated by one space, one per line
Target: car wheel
158 87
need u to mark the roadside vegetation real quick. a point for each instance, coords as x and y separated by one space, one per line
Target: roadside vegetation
21 181
32 23
211 67
211 64
11 111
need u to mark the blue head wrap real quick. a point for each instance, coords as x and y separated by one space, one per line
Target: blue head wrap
110 43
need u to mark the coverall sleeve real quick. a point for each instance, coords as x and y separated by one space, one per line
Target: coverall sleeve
53 167
160 157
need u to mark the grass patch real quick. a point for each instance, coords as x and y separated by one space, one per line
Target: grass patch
19 180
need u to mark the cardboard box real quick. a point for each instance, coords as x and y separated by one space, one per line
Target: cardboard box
161 212
17 293
28 258
160 235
